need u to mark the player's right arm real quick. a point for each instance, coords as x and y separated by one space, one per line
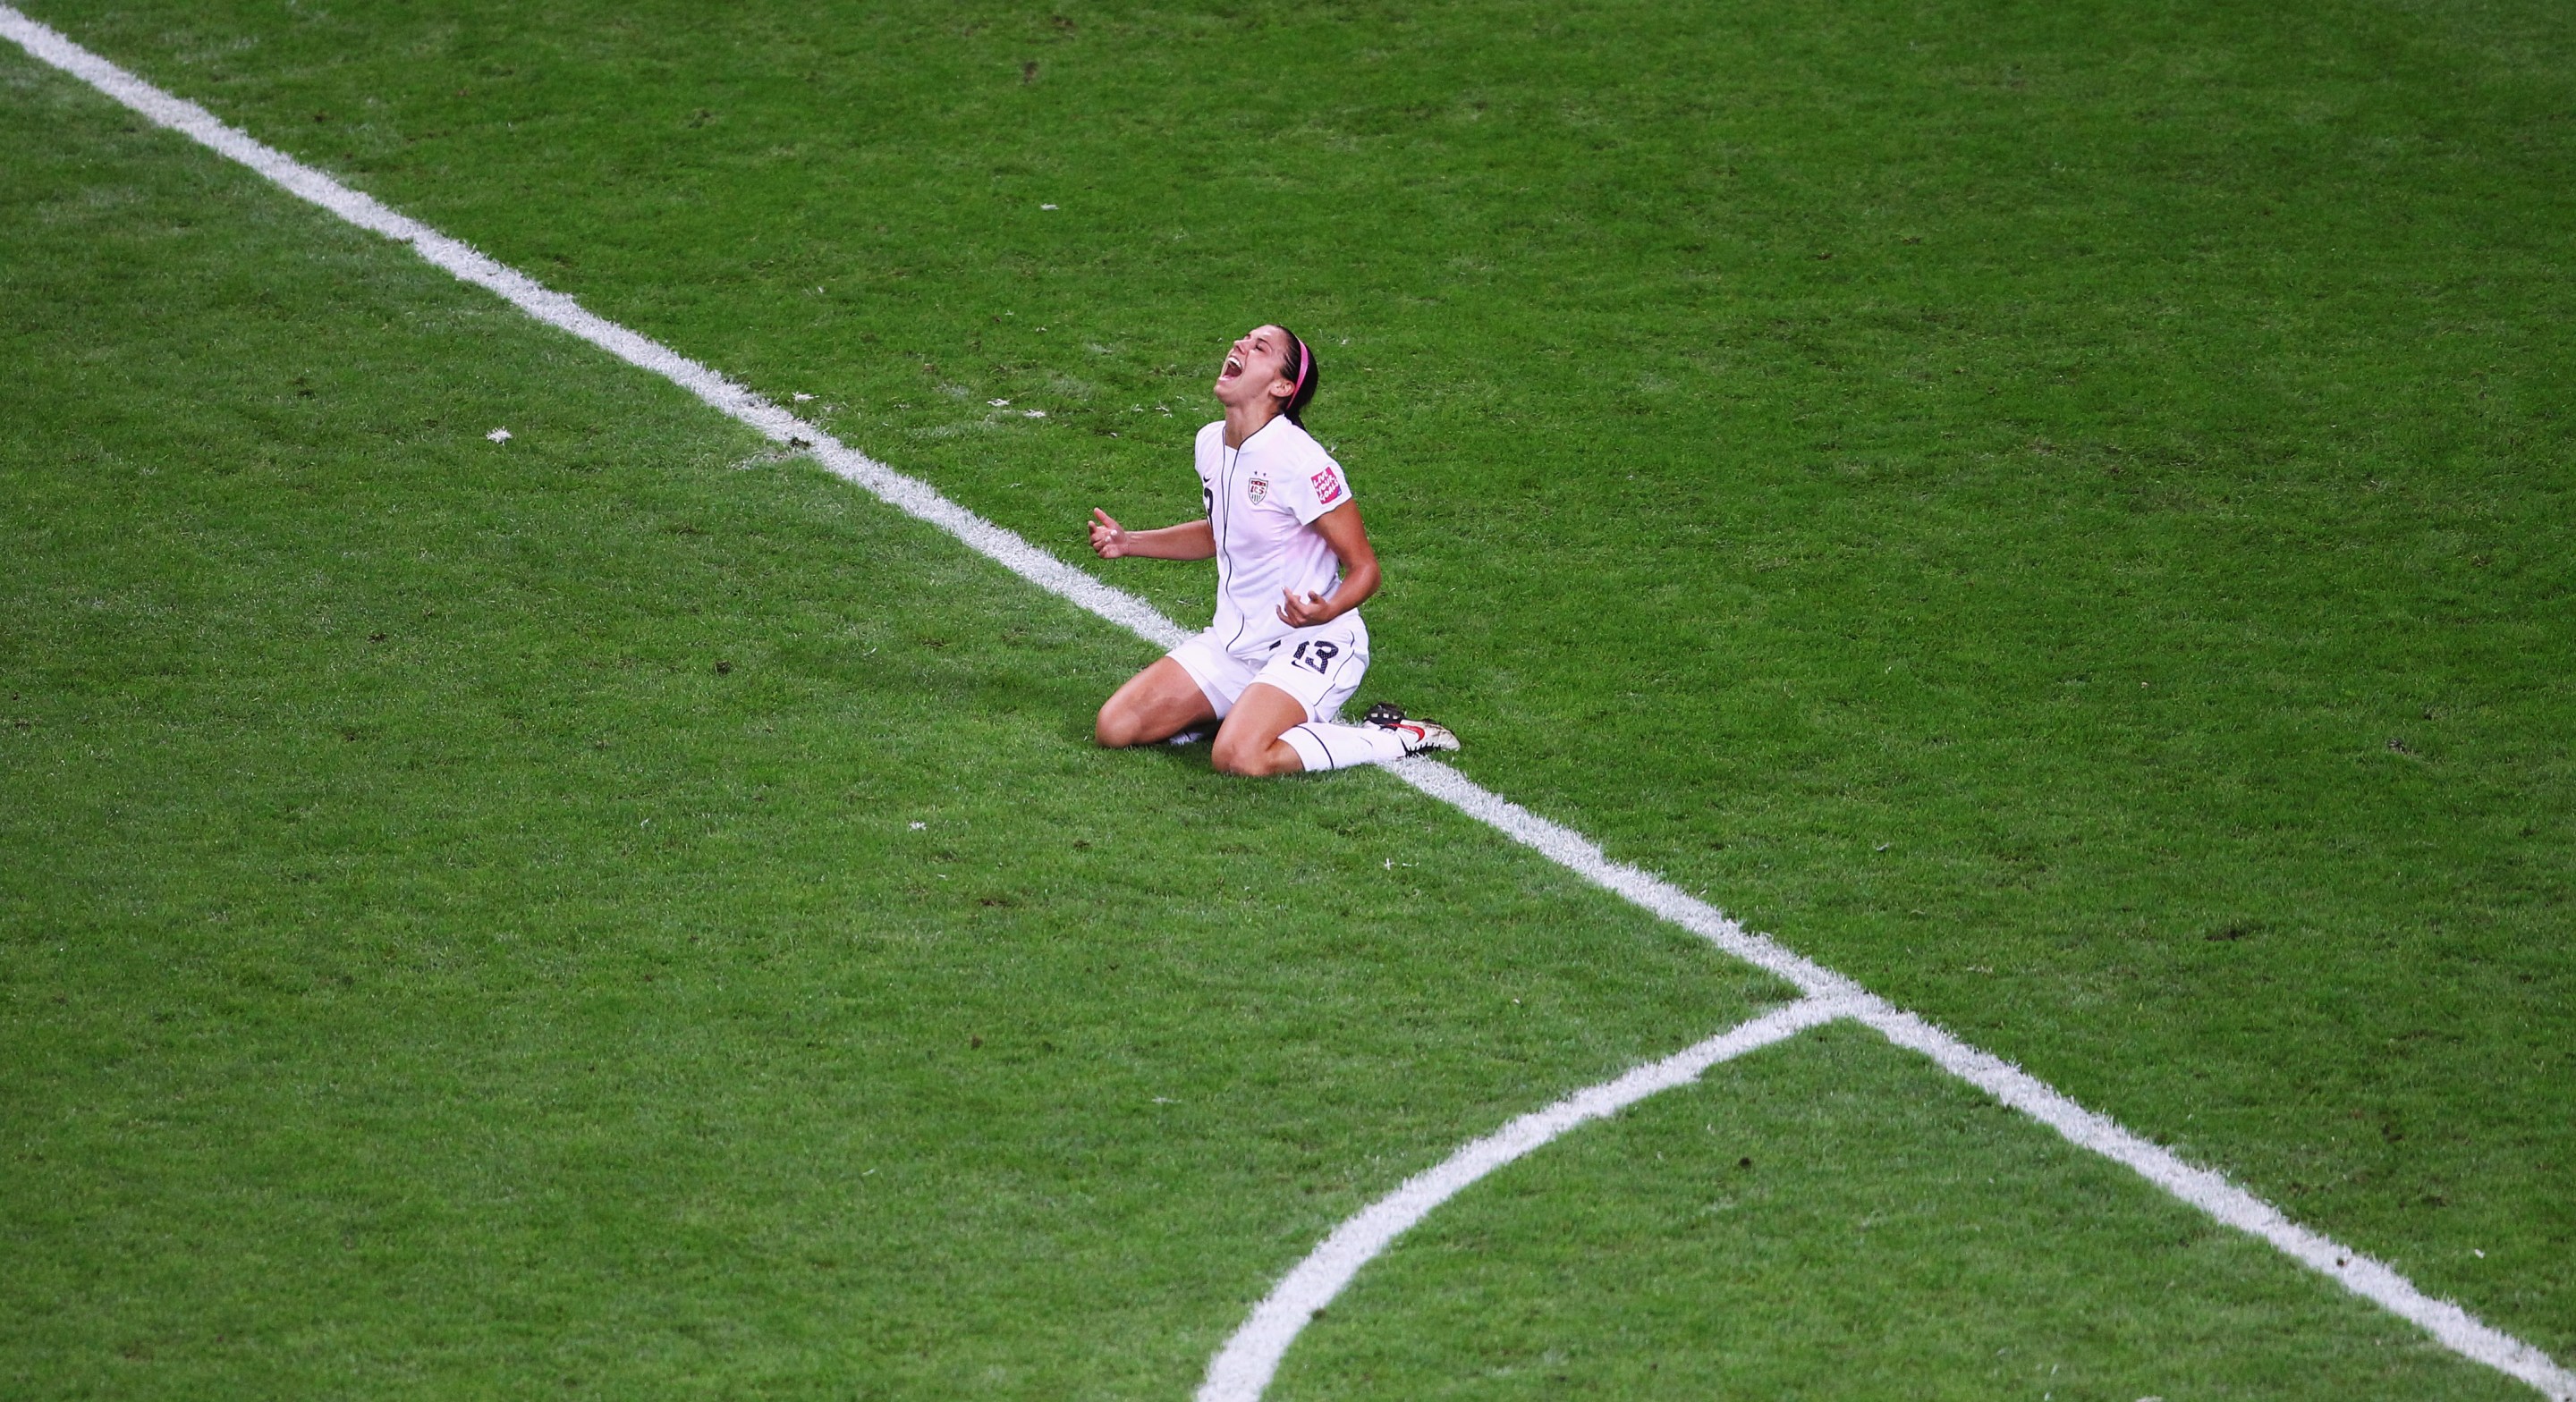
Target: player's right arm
1192 540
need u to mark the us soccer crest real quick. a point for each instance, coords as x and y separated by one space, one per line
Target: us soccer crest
1259 491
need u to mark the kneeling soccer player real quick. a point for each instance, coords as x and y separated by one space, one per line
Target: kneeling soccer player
1292 567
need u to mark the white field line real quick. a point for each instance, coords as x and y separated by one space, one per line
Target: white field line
2202 1188
1244 1367
2210 1191
906 494
2206 1189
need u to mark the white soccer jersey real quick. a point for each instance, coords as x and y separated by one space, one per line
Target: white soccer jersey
1262 500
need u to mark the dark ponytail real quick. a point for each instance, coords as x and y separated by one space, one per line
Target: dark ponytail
1301 372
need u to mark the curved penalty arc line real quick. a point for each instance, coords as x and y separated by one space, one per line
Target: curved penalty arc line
1243 1368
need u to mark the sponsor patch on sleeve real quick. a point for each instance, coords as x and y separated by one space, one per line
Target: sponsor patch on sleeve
1328 488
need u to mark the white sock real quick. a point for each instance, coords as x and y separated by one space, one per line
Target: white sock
1326 746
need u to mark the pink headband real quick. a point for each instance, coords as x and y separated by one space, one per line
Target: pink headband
1305 362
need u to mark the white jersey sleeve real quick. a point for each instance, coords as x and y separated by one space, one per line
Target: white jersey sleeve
1206 452
1311 483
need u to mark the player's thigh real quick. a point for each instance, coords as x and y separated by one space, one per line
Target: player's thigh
1261 714
1155 704
1321 667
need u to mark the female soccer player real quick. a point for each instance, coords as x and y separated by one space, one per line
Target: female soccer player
1292 567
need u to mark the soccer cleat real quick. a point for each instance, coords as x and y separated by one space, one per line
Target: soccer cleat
1417 735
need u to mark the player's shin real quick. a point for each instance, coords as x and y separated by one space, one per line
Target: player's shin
1325 746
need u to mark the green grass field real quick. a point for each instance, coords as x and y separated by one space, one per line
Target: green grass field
2066 514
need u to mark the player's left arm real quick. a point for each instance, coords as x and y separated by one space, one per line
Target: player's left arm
1349 539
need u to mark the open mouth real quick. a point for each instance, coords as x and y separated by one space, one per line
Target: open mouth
1233 367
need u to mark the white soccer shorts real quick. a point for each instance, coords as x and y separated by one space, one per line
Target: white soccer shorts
1320 666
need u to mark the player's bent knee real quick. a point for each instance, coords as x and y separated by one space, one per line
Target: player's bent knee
1241 766
1237 765
1248 758
1115 729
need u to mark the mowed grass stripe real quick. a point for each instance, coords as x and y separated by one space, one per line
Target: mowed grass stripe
426 971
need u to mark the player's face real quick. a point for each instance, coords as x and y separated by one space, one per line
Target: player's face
1255 370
